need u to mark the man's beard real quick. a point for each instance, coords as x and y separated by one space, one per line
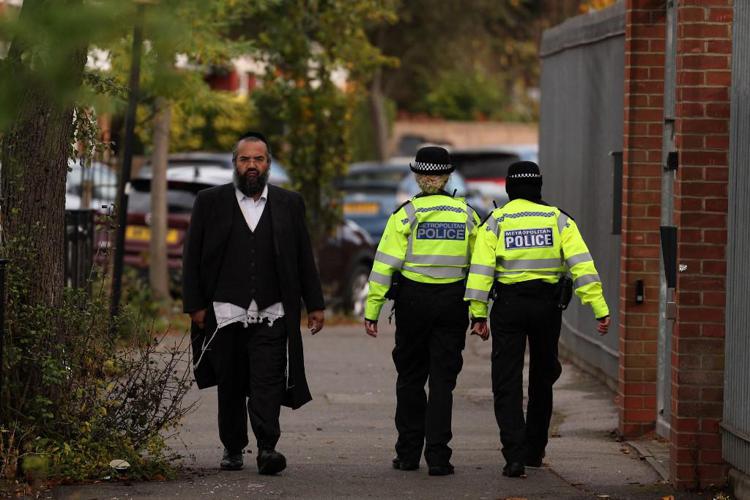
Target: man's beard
249 185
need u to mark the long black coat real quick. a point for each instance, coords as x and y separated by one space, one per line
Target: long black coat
207 236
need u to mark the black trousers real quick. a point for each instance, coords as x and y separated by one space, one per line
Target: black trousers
431 322
521 312
250 365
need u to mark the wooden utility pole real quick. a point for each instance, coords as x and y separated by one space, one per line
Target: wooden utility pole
158 266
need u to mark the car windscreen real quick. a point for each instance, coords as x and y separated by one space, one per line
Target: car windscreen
483 165
180 196
373 179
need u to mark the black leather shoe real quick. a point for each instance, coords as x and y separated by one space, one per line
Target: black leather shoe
403 464
270 462
534 460
514 469
231 460
440 470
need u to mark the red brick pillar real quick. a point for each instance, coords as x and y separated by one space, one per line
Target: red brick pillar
704 46
640 250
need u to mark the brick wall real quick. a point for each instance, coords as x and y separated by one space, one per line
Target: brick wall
704 45
644 116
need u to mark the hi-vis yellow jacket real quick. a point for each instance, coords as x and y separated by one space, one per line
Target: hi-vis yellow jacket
429 239
524 241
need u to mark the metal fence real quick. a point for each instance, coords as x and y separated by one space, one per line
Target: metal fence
79 247
580 139
736 421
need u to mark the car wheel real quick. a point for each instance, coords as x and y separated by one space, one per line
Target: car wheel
357 290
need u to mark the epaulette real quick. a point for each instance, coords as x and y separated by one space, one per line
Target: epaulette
566 213
401 206
475 210
542 202
486 217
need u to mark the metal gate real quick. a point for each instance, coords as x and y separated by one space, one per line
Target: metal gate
580 138
736 421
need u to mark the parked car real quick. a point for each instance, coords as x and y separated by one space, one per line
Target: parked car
485 168
372 191
97 181
194 160
344 260
207 167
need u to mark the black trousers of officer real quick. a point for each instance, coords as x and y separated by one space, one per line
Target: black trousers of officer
250 364
524 311
431 322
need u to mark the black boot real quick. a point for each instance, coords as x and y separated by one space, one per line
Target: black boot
441 470
404 464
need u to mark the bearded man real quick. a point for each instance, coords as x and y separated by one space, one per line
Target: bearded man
247 262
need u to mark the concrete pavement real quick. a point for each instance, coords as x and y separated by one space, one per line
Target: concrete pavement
340 445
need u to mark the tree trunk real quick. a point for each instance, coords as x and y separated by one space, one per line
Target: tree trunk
158 269
378 116
34 154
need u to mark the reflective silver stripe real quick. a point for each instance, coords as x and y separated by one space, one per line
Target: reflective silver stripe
483 270
410 246
586 279
577 259
470 219
445 260
491 224
411 214
437 272
388 259
473 293
516 273
562 220
529 263
380 278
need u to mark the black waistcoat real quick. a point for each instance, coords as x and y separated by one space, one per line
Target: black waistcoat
248 270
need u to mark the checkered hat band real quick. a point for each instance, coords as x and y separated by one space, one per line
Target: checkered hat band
431 167
525 176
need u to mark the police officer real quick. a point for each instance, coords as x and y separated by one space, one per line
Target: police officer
427 245
524 248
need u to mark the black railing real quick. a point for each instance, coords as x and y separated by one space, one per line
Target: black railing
79 247
3 263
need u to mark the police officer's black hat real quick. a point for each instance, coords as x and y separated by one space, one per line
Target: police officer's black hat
432 160
524 180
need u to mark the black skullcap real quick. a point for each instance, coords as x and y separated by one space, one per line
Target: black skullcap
524 180
250 134
432 160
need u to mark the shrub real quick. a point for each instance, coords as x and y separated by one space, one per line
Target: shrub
73 396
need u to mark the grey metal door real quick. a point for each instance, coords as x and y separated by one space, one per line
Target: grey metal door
581 125
736 421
